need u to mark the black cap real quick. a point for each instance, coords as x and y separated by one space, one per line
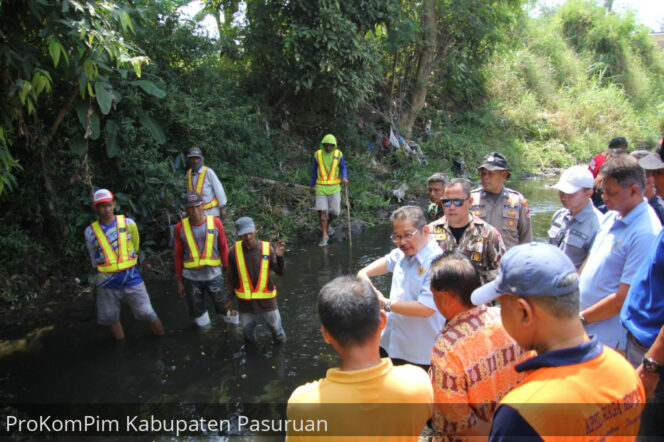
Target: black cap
193 199
494 161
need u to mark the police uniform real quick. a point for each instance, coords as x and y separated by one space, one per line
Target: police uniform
509 214
575 234
480 242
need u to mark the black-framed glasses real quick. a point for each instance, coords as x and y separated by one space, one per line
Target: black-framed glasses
398 238
458 202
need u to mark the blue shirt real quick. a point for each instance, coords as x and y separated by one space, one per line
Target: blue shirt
614 258
643 311
412 337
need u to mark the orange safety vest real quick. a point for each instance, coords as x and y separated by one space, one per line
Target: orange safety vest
328 177
602 397
196 258
199 188
115 262
247 290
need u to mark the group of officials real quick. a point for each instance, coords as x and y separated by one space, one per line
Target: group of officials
562 310
550 361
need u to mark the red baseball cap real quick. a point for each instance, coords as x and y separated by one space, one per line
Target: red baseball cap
102 196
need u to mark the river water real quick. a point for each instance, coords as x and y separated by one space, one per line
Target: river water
78 363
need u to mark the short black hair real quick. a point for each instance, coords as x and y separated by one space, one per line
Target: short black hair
618 143
349 309
464 183
438 177
625 170
455 273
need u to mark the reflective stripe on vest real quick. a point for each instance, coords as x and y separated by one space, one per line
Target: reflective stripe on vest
331 176
576 400
196 258
199 187
114 262
247 290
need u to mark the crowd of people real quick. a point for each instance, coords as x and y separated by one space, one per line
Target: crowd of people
518 338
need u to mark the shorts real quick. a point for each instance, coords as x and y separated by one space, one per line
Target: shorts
108 304
196 291
329 203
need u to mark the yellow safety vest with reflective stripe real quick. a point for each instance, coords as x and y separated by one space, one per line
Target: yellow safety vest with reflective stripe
331 176
115 262
196 258
199 187
247 290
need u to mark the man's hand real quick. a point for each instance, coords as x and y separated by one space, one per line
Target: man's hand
180 288
280 248
222 212
312 189
344 181
649 381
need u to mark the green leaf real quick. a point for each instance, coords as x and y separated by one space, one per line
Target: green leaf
150 88
78 146
125 20
94 126
104 92
54 50
112 134
153 127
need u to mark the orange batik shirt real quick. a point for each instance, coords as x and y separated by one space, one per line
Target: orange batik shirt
472 368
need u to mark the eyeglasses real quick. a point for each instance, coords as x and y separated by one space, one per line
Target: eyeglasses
456 201
399 238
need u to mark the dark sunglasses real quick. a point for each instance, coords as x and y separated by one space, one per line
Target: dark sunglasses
456 201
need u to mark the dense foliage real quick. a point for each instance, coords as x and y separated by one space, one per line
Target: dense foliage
110 94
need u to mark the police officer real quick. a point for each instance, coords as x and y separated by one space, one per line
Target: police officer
505 209
202 180
574 227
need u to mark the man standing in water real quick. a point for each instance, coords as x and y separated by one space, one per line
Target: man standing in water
505 209
413 320
202 180
250 262
329 171
112 243
200 250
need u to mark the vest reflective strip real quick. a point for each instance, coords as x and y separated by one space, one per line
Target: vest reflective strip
114 262
195 261
199 187
247 290
331 176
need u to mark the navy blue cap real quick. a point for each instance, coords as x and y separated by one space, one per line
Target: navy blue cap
530 270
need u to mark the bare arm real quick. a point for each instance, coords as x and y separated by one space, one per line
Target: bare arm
607 307
376 268
656 352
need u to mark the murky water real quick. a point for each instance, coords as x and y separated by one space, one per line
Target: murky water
78 362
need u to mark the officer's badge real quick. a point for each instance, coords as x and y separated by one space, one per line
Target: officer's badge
511 223
525 206
421 271
476 256
511 213
477 213
437 229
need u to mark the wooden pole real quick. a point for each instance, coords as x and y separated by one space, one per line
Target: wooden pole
350 233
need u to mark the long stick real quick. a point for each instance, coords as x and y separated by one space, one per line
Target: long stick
350 233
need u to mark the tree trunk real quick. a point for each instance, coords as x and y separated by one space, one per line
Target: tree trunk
424 66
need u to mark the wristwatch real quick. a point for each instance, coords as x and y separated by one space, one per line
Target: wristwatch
650 365
584 321
388 304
